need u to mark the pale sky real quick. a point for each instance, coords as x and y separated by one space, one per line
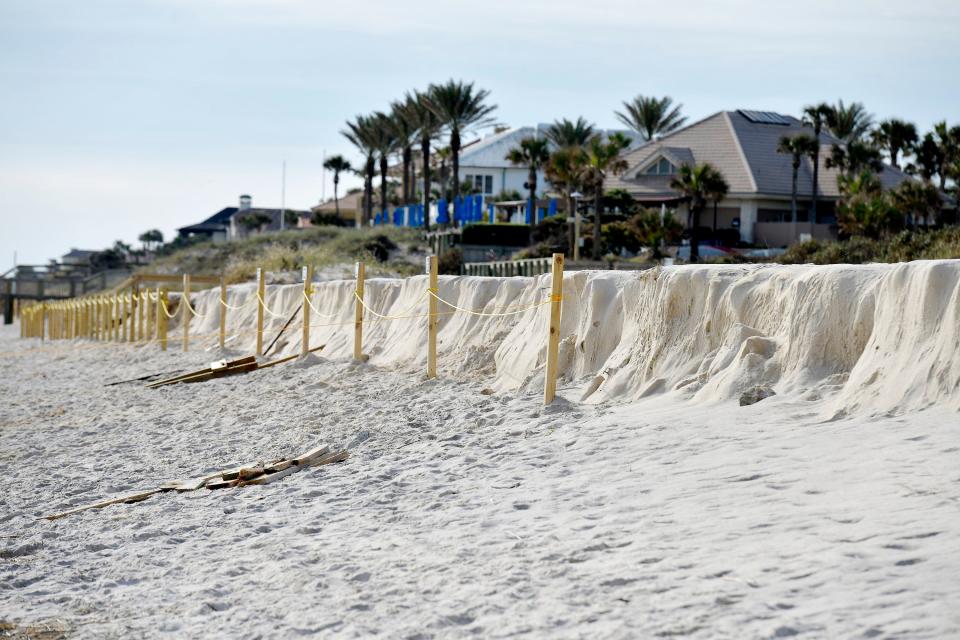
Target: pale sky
123 115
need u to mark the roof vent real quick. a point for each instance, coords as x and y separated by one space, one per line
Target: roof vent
245 202
764 117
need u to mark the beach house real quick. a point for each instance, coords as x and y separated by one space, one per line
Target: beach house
742 145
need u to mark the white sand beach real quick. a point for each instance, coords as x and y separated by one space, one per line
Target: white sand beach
645 502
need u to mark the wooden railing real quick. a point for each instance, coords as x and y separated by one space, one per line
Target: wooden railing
537 266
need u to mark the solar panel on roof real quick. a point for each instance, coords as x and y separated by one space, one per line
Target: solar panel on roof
764 117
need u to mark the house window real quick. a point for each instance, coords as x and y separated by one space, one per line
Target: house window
478 183
661 168
488 184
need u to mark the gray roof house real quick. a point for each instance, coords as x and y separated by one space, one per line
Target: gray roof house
225 224
742 145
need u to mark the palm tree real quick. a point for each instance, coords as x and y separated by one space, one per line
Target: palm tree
651 117
603 159
948 146
567 171
404 125
532 153
850 123
338 164
427 126
918 199
565 133
855 157
698 184
386 143
816 115
797 146
361 133
895 136
459 108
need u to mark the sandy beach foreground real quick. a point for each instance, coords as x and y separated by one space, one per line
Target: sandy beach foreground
468 508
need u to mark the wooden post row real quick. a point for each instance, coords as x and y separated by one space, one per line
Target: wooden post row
185 312
223 312
433 285
307 293
162 319
261 296
553 339
359 274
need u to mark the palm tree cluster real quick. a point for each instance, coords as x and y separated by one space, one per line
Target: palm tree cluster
859 158
450 108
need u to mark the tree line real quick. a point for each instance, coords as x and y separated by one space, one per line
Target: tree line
576 158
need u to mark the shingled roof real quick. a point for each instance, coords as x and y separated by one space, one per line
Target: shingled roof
742 145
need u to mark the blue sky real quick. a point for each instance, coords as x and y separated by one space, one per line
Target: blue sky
123 115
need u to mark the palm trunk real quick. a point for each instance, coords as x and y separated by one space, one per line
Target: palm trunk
596 222
816 177
425 152
383 183
336 200
532 200
407 177
370 171
571 213
694 236
793 200
455 153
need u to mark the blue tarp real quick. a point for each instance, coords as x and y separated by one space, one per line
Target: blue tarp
442 216
552 209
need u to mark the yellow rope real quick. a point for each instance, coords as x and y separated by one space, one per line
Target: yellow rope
266 308
307 296
186 300
491 314
399 316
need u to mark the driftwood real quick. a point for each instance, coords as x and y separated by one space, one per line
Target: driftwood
285 325
224 368
255 474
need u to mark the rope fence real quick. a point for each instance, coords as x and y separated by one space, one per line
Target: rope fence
142 316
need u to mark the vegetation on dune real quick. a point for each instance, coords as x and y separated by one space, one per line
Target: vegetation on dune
934 244
381 248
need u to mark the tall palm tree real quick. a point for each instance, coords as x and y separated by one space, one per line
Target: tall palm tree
850 123
650 116
603 159
815 115
532 153
427 125
568 171
338 164
403 122
895 137
386 144
855 157
566 133
797 146
919 199
361 133
698 184
948 146
460 108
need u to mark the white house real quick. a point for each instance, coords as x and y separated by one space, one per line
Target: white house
484 163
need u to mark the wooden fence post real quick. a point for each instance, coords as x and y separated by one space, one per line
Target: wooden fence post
124 318
162 318
261 296
553 340
151 314
360 274
185 312
114 329
223 312
307 292
140 314
432 321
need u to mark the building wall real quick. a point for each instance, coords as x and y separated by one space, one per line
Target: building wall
504 179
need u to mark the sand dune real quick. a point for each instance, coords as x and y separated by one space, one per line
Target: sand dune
646 502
